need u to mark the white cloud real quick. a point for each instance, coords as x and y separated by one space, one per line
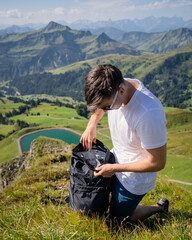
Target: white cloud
160 5
98 10
43 12
74 11
54 12
44 15
104 5
13 13
58 11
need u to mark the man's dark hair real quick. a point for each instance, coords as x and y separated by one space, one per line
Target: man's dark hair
100 83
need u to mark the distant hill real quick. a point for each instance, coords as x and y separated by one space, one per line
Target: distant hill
167 75
15 29
158 42
148 24
51 47
112 32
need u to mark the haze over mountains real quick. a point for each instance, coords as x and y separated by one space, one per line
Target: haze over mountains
26 57
158 42
57 45
51 47
148 24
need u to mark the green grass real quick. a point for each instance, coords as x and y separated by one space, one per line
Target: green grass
9 149
5 129
8 106
178 167
170 109
179 135
36 207
52 111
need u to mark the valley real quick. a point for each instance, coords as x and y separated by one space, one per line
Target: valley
47 115
42 76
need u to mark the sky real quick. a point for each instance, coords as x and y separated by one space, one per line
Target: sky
20 12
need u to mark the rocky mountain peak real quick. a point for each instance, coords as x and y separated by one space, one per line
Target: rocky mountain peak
52 26
103 38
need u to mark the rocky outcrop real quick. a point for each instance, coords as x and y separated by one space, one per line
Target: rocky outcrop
11 169
59 151
44 146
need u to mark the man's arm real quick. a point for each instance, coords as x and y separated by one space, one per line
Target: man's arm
89 134
155 161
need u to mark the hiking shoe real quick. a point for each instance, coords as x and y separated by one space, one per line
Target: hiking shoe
164 202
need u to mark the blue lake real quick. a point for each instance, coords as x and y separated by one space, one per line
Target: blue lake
64 135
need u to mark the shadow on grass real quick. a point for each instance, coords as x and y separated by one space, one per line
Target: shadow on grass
154 222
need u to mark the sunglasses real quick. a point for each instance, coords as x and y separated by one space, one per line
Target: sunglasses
107 108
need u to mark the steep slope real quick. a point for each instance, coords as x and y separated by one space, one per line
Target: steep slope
35 206
158 42
15 29
11 170
52 47
102 45
112 32
167 75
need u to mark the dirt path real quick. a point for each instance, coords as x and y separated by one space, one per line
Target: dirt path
55 118
108 137
177 181
98 131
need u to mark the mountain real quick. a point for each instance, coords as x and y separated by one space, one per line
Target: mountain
158 42
167 75
148 24
51 47
15 29
162 24
112 32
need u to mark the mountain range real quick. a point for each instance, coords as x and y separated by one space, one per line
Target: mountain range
148 24
158 42
55 60
15 29
51 47
57 45
167 75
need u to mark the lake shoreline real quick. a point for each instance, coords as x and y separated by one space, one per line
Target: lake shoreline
40 130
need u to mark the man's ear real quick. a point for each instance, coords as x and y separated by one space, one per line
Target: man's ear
121 90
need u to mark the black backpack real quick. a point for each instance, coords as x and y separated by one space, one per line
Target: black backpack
89 194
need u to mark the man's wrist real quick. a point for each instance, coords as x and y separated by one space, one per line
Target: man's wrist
119 167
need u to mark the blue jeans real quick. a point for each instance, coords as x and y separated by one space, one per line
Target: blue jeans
123 203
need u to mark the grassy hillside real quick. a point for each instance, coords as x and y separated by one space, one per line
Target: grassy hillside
52 47
158 42
179 135
35 206
167 75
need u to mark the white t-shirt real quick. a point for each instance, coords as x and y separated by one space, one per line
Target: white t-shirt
139 125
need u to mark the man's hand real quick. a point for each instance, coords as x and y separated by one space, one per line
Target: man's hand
106 170
88 137
89 134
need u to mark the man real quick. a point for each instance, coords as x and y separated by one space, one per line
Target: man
138 130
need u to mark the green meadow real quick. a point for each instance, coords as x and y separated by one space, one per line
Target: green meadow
179 127
8 105
35 206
